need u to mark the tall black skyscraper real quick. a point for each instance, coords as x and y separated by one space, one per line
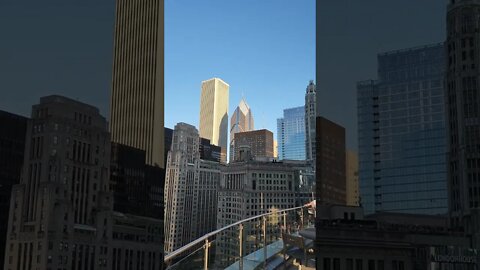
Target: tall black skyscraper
463 112
12 145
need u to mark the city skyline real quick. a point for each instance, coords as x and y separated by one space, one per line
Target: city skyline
121 160
260 58
48 47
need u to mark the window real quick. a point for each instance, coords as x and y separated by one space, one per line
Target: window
371 265
336 264
349 264
394 265
359 264
326 263
380 265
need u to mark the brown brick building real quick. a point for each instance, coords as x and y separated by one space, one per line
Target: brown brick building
259 141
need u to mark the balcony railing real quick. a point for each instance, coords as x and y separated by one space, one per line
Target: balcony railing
252 243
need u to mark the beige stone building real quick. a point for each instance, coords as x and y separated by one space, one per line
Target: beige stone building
214 113
136 105
191 187
352 178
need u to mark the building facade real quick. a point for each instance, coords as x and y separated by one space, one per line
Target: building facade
330 162
352 187
136 115
367 133
242 121
249 188
137 187
402 133
190 190
214 113
12 149
463 111
291 134
168 143
61 214
259 141
63 189
310 121
209 151
391 241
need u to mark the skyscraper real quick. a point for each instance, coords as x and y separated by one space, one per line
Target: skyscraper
463 110
291 134
136 116
310 120
12 145
61 214
352 188
402 136
214 113
260 143
249 188
190 190
242 121
330 159
64 189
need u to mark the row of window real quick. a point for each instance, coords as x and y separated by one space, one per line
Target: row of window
360 264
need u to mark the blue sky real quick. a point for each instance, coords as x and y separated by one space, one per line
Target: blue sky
263 49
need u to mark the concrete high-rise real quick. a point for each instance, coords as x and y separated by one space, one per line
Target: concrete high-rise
241 121
63 189
190 190
61 214
291 134
136 115
12 145
330 162
402 135
251 187
310 121
352 188
463 111
214 113
260 143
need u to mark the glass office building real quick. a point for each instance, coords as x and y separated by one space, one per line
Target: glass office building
291 134
402 134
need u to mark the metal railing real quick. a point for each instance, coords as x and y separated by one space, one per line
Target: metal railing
205 241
